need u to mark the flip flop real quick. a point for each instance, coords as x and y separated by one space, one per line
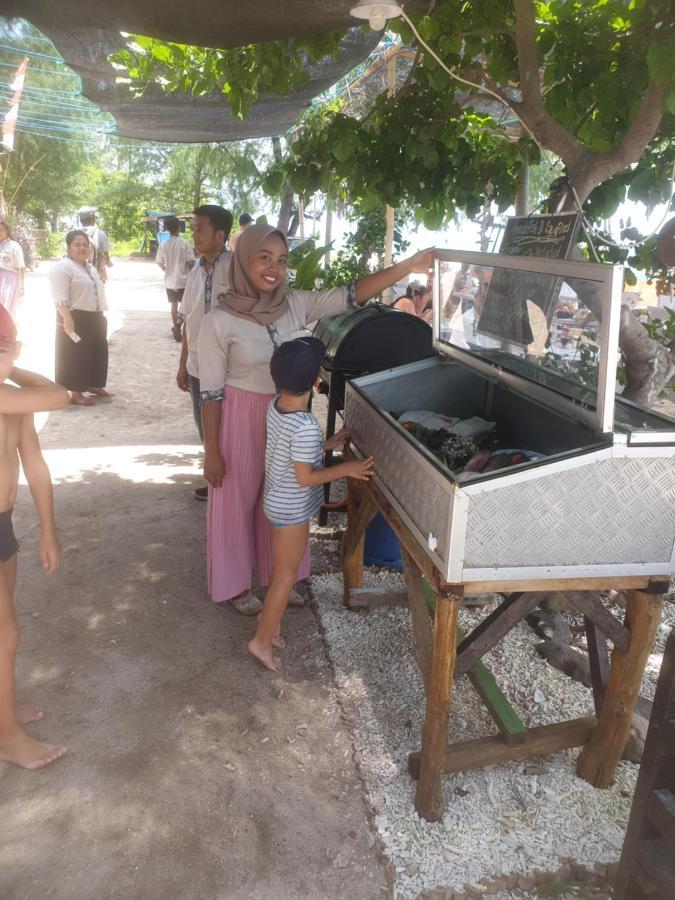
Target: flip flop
101 393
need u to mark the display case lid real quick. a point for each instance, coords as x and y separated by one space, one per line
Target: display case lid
548 328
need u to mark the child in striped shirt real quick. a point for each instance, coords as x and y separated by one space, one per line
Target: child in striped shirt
294 477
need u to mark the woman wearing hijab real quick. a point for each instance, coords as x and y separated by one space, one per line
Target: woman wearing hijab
236 342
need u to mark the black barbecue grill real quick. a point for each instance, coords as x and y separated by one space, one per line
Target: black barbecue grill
367 340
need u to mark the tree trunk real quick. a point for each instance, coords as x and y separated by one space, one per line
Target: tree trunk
523 195
199 184
294 223
286 209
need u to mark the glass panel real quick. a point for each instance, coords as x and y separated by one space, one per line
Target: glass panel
539 326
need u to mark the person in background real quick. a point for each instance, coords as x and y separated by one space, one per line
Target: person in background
100 245
28 394
12 268
211 226
245 221
175 258
294 479
236 341
416 301
82 329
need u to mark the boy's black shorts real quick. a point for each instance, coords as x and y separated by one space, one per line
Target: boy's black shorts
8 543
174 295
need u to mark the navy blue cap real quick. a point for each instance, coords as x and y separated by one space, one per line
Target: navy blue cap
295 364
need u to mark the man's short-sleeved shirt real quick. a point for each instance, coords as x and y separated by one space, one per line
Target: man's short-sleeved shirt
193 305
291 437
175 256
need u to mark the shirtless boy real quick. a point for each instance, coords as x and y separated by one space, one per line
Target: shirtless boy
19 441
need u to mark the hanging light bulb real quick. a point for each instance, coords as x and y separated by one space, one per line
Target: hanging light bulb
376 13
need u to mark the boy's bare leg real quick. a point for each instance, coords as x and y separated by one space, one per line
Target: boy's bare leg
289 547
25 712
277 641
15 745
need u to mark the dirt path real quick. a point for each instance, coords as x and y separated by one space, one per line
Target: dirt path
191 773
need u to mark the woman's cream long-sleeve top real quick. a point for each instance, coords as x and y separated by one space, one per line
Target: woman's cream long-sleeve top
77 286
235 352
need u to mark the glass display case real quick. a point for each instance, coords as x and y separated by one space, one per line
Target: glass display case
508 454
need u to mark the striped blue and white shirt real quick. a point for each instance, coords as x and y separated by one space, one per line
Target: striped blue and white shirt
291 437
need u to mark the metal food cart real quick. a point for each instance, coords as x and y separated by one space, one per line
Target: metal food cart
580 495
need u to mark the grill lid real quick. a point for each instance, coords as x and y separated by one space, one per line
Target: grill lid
373 338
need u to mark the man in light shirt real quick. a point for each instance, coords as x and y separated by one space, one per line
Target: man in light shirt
175 257
211 226
245 221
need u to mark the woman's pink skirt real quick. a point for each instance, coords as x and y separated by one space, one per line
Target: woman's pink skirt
239 535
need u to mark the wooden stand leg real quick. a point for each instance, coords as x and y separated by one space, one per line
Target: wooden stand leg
599 758
429 796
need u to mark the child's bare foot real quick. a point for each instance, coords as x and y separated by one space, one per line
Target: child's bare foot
23 751
264 655
28 712
277 641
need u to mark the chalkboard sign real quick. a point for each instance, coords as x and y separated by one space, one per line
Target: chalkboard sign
504 314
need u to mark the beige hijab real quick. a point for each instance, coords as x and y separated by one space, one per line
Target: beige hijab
242 299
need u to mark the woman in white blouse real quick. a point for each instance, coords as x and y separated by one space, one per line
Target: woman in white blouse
12 267
82 329
236 342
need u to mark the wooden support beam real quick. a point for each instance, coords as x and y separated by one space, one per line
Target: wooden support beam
492 629
656 859
421 619
492 750
598 658
598 760
652 805
594 609
661 813
368 598
429 795
619 583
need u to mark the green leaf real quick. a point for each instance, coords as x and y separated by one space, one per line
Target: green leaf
629 277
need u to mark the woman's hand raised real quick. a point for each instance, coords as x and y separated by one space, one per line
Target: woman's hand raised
421 262
214 468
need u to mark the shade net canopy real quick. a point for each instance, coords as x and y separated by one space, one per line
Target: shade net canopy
86 34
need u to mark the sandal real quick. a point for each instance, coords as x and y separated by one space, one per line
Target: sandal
100 392
296 599
82 401
177 334
248 605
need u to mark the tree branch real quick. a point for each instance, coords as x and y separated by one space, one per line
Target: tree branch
549 133
642 129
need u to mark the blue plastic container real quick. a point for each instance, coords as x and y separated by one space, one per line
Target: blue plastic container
382 547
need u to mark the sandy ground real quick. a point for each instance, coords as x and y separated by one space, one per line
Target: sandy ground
191 773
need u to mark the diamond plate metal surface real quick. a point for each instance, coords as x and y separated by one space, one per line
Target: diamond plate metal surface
615 511
413 483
